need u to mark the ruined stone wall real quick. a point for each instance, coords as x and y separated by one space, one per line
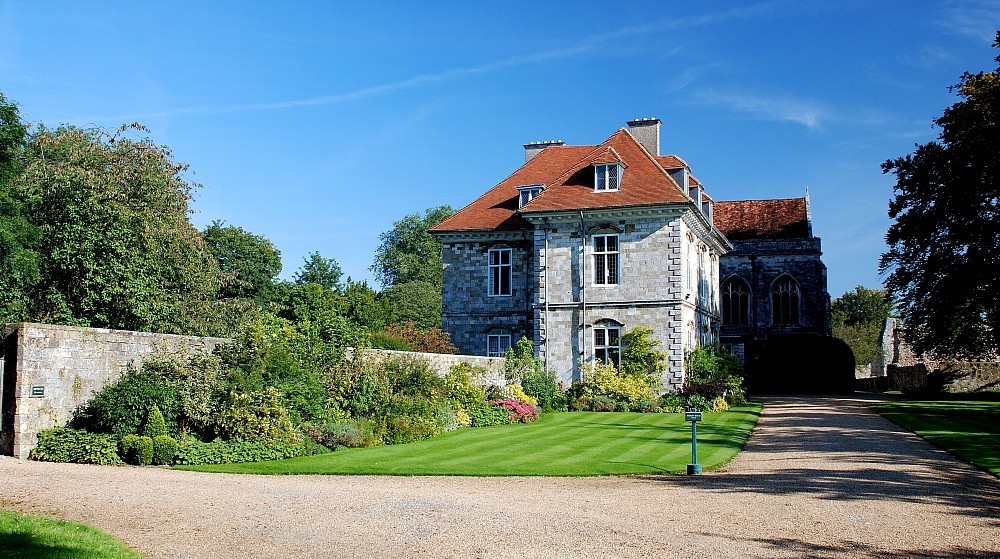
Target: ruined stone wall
49 371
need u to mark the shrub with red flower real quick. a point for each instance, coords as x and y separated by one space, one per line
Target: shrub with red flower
520 412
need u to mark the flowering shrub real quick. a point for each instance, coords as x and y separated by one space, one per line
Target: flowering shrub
519 412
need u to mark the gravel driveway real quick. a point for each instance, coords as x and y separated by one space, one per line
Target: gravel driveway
821 477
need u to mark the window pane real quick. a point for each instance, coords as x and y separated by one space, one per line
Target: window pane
612 177
612 268
599 337
504 280
494 257
505 257
602 177
612 243
612 336
600 269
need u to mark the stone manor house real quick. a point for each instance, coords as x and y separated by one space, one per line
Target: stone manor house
583 243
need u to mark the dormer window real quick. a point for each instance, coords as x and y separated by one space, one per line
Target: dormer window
528 192
607 177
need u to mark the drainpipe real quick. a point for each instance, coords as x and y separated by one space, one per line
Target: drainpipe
545 293
583 291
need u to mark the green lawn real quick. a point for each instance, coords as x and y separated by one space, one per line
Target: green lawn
25 536
968 428
558 444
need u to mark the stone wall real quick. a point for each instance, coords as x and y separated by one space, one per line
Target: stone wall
49 371
760 262
468 312
441 363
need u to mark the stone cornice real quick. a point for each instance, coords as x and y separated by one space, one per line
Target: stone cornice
564 216
482 236
706 231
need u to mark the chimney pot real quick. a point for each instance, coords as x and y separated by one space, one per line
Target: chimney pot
646 131
531 149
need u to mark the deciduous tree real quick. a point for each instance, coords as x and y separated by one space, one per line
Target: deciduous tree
324 271
408 252
249 263
116 246
943 260
18 262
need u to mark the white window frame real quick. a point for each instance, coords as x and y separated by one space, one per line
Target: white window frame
607 331
498 269
603 273
502 345
527 193
602 174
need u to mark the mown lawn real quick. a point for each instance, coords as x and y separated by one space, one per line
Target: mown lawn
558 444
968 429
25 536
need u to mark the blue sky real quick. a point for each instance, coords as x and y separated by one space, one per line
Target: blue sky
319 124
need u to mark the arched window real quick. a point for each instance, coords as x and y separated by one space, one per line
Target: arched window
785 301
735 302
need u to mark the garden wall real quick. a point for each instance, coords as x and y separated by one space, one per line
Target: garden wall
441 363
953 376
51 370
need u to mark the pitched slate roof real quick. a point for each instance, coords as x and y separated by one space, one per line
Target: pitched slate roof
568 175
763 219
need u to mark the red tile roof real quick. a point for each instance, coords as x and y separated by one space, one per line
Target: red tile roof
568 175
762 219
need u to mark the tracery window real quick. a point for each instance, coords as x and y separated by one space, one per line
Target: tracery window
785 301
735 302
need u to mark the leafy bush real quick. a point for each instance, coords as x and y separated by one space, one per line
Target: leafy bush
542 386
351 434
368 393
406 429
712 374
198 383
164 450
639 358
385 340
431 340
192 453
673 402
257 416
155 426
488 415
605 380
517 411
137 450
121 408
73 445
447 418
603 403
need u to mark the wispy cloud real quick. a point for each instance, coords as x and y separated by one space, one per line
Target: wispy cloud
782 108
581 47
975 19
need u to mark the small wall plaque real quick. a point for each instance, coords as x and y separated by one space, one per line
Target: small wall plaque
37 391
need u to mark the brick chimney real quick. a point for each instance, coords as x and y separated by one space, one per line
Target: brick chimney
534 148
646 131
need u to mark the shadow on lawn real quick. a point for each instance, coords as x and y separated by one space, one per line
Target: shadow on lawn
23 546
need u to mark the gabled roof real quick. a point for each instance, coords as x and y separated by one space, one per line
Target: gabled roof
763 219
568 175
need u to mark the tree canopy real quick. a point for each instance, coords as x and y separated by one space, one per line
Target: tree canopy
324 271
858 317
115 245
18 262
249 263
408 252
943 258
